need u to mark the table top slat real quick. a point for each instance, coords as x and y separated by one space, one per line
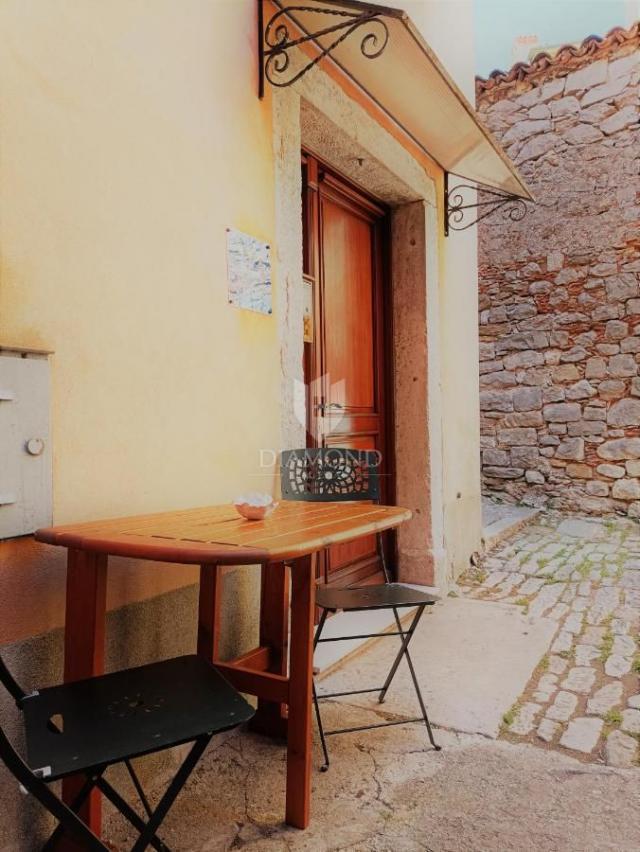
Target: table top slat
274 529
216 534
297 543
237 529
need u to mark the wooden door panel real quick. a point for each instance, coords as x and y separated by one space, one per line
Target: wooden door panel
348 308
349 336
345 363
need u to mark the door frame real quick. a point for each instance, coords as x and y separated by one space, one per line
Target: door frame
342 191
317 115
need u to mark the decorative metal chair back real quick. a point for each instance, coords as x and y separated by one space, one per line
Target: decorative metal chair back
330 474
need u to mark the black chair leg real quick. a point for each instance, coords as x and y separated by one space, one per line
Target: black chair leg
404 651
323 740
323 618
136 783
171 793
129 814
69 821
427 723
406 638
76 804
316 703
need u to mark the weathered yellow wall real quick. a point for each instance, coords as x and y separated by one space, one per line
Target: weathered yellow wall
131 137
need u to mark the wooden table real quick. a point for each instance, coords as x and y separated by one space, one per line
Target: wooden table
216 538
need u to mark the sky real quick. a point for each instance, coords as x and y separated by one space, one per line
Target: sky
507 29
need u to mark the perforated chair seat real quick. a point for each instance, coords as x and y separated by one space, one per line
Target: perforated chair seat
127 714
384 596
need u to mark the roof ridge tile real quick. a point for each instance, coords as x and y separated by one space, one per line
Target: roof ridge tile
589 48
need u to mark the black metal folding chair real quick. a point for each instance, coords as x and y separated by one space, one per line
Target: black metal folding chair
82 728
331 474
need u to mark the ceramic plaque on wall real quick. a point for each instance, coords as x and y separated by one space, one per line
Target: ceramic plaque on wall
249 272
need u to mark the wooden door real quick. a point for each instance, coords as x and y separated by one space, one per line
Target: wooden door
346 363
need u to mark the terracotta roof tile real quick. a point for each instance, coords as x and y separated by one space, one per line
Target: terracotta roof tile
566 58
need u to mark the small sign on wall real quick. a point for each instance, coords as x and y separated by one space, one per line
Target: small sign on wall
248 272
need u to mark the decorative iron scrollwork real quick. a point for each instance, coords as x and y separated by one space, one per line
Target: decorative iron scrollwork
461 214
277 42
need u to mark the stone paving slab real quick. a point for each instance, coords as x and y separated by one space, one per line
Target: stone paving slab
473 659
584 575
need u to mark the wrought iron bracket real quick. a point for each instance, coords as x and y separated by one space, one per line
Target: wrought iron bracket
276 40
460 213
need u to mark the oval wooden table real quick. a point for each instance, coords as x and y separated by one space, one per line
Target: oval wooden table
216 538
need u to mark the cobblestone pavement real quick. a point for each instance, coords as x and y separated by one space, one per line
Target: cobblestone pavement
583 573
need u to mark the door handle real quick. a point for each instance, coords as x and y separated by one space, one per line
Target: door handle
323 407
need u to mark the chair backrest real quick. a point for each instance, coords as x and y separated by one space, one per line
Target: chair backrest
330 474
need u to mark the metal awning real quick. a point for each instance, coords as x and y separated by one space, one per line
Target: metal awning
380 49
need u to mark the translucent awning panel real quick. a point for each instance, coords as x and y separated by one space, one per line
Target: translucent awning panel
380 49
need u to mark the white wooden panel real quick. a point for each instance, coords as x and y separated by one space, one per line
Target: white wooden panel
25 468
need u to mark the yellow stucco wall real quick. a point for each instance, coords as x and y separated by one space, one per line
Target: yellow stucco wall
131 137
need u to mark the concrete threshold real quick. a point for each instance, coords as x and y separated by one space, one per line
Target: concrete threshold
506 523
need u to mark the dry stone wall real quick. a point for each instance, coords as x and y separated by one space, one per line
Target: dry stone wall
560 291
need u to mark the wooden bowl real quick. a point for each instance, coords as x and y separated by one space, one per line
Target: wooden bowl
254 513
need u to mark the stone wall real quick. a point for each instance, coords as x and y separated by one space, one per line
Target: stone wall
560 290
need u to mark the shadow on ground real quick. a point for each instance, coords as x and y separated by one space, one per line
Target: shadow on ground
387 792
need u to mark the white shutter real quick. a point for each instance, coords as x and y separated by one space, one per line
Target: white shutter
25 445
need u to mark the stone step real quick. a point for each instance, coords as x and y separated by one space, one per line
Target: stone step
500 520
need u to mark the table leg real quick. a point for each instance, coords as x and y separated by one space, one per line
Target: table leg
270 718
209 611
84 639
303 591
